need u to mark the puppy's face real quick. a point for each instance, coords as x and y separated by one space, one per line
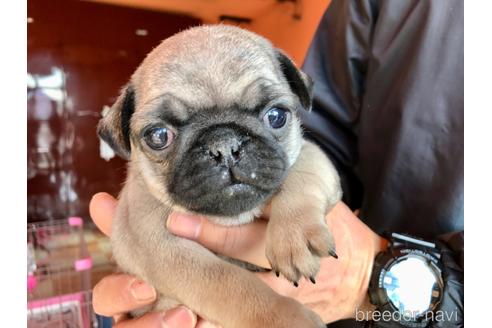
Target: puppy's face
210 120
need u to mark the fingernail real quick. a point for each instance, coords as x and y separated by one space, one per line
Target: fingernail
184 225
179 317
141 291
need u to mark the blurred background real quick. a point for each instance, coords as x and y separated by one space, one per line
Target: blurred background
79 55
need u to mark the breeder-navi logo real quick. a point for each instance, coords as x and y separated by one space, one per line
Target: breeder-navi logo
387 316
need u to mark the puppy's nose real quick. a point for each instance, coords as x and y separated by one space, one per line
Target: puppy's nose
226 151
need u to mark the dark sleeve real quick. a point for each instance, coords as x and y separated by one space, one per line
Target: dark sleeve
337 62
452 304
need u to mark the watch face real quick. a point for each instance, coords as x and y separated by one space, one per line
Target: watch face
412 285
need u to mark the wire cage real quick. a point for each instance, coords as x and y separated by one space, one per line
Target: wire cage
59 268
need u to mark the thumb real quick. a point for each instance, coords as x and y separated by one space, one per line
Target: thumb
102 208
245 243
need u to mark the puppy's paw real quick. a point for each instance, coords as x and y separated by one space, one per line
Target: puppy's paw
294 247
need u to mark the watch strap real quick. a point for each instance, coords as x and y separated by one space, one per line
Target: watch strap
398 240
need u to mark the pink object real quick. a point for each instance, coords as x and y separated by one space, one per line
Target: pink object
75 221
31 282
78 297
83 264
51 310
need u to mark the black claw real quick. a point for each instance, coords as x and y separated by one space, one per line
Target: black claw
296 284
277 273
332 253
312 280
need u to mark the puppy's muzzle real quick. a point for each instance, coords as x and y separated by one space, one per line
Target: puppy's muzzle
224 147
226 151
227 170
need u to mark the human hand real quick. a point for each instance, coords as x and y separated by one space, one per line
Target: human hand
341 284
117 294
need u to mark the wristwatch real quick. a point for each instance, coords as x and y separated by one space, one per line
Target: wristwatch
406 284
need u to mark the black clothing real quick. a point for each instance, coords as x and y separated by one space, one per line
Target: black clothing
388 110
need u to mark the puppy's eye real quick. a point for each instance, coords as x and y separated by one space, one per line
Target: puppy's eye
275 117
158 138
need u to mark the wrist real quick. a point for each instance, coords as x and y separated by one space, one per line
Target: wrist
406 284
364 308
357 246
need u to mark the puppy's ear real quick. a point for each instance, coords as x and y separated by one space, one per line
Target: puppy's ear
300 83
114 127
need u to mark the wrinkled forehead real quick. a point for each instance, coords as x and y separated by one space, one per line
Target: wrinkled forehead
207 65
209 79
184 91
181 104
209 68
207 90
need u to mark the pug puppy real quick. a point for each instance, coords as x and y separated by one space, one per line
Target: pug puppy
210 125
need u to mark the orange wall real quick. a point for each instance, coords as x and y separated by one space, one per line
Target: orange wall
270 18
293 36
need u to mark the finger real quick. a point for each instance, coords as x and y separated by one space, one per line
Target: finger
120 293
246 242
150 320
102 208
284 287
179 317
